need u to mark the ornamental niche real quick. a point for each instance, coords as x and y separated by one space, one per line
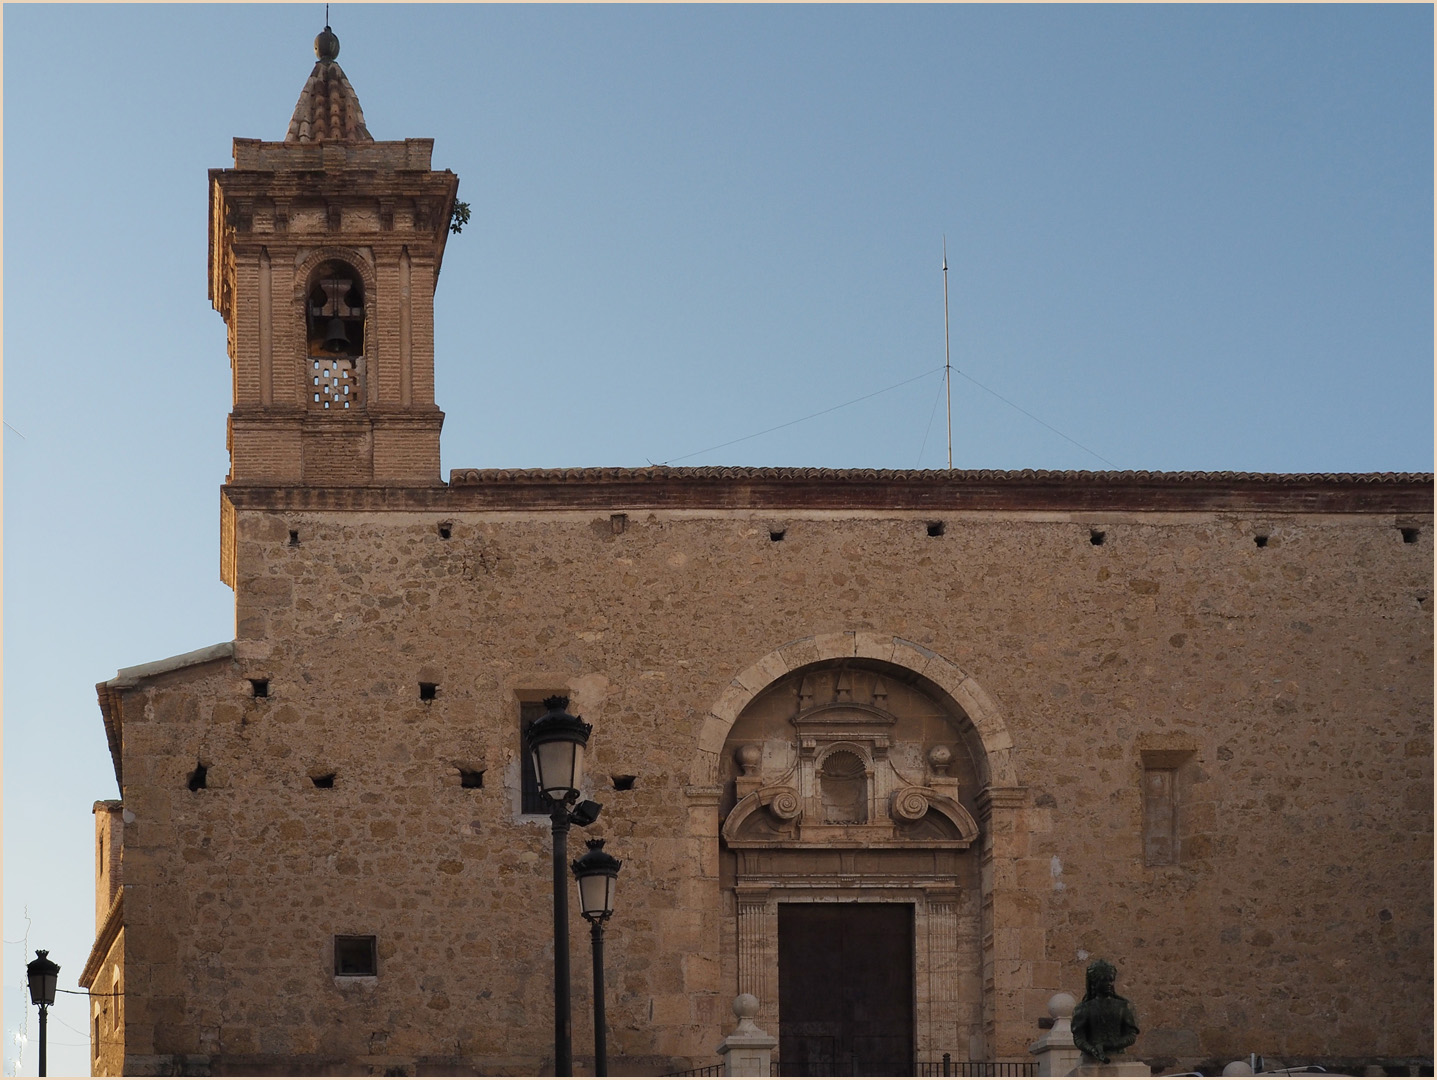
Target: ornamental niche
844 769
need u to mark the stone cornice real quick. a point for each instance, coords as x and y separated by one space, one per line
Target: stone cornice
1406 494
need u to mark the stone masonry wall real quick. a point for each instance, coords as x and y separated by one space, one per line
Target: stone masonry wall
1289 686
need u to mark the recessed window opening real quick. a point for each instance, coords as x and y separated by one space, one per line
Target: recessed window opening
446 530
1260 540
618 523
624 783
335 329
1409 535
356 955
1096 537
1160 839
777 535
428 691
335 310
322 780
294 538
935 528
530 801
259 687
471 778
199 776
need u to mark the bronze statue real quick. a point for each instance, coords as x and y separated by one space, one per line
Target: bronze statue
1103 1022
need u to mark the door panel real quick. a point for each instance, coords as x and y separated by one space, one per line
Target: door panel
845 989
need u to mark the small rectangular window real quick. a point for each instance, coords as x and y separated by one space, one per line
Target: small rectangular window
531 802
356 955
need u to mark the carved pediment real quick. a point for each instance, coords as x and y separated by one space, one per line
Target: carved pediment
770 813
840 768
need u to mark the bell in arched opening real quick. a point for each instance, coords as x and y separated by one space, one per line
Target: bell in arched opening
335 311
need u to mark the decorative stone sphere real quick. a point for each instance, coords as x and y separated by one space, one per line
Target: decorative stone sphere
1061 1005
1237 1068
745 1006
326 45
940 757
749 755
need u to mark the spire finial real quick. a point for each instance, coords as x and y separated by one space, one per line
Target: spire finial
326 45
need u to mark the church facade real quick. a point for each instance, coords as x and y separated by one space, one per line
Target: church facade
898 753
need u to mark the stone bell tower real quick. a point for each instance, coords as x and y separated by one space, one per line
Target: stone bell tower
324 253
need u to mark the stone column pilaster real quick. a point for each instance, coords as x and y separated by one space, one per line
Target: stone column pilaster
1007 912
942 991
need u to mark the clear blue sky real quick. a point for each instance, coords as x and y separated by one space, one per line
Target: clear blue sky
1185 237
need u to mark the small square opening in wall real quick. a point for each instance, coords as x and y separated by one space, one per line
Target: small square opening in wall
446 530
198 778
1410 534
428 691
935 528
624 783
1096 537
294 538
777 535
356 954
259 687
471 778
618 523
322 780
1260 540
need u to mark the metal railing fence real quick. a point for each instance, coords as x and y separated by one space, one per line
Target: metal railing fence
945 1067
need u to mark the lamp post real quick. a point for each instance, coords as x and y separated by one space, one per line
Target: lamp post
598 873
556 742
42 973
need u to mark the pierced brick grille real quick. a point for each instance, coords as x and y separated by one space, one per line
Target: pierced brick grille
334 382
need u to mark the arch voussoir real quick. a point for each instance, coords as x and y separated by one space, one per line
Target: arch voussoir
976 703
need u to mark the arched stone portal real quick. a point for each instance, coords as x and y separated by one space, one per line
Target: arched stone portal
855 768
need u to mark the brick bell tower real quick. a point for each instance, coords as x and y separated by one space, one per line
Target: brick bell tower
324 254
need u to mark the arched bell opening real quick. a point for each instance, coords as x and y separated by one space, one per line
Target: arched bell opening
849 810
334 331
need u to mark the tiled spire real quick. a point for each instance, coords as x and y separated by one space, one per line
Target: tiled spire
328 108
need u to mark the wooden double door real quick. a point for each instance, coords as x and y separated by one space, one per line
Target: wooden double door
845 989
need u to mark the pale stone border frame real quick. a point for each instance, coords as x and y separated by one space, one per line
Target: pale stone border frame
1009 958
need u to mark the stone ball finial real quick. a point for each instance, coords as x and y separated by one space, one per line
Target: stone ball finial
326 45
749 756
745 1006
940 757
1061 1005
1237 1068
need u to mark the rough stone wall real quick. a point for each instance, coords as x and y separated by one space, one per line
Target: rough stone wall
109 1014
1292 682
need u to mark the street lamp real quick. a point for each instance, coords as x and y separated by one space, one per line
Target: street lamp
597 873
42 973
556 742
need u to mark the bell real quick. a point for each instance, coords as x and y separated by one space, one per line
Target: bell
335 339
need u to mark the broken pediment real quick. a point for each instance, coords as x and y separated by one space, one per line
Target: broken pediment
838 767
